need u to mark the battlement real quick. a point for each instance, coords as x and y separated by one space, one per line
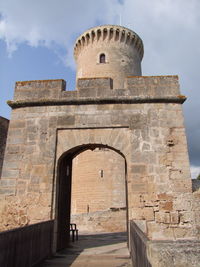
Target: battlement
138 89
38 89
109 33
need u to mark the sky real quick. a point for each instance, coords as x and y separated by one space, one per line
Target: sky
37 37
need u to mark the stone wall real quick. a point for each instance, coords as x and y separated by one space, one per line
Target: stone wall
182 253
98 191
147 253
143 123
3 136
98 181
113 220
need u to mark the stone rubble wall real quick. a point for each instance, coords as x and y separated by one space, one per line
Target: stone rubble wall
182 253
162 253
101 221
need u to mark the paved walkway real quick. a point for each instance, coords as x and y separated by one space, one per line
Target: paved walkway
94 250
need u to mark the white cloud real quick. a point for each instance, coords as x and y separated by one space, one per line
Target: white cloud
169 30
49 22
195 171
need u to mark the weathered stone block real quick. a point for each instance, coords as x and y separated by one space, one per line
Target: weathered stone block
148 214
137 214
7 182
87 92
10 173
141 169
40 89
137 121
65 120
7 191
17 124
162 217
69 94
186 216
174 217
15 140
153 85
86 83
182 186
165 196
159 231
166 205
139 187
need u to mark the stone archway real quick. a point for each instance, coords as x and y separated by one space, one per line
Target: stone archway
63 198
64 171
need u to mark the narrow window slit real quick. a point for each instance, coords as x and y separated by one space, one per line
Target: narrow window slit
102 58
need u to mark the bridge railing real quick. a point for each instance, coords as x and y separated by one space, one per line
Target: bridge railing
138 243
26 246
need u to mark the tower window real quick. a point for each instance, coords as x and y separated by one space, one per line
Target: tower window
101 173
102 58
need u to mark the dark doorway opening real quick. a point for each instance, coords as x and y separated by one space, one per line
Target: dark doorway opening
64 182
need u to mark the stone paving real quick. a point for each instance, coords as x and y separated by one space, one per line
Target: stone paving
98 250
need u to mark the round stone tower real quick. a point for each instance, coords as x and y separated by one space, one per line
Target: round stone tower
108 51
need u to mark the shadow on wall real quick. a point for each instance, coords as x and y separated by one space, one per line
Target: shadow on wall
4 123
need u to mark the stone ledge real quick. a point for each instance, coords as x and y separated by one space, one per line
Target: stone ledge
92 101
162 253
21 84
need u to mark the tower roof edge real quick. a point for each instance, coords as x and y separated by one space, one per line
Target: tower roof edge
93 33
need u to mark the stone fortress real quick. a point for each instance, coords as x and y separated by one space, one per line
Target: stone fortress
115 110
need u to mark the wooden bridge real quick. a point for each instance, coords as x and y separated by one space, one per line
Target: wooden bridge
32 245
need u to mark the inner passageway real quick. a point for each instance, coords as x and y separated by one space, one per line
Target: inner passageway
94 250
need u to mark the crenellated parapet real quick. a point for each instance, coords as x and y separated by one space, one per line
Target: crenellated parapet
141 89
109 33
39 89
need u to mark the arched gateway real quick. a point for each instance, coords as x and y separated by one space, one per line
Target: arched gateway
63 189
113 106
